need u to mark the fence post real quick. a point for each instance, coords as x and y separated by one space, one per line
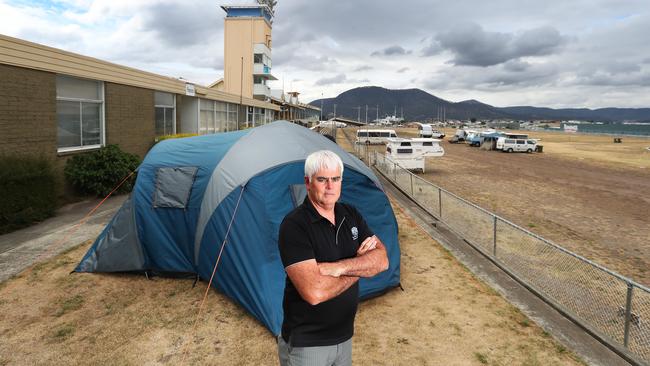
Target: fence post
628 314
494 235
412 194
395 172
440 203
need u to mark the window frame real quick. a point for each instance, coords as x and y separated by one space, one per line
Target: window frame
173 107
102 116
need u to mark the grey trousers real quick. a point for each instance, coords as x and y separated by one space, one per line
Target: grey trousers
336 355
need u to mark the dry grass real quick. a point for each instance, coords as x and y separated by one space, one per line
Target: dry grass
444 316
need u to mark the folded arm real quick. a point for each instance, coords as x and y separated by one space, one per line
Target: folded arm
371 259
315 287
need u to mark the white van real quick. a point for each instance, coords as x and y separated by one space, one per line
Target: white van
425 130
374 136
517 145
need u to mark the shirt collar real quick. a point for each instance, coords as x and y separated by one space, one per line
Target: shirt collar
339 211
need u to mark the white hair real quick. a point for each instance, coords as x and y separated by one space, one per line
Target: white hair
323 159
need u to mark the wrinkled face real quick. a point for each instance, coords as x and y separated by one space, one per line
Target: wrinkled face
324 187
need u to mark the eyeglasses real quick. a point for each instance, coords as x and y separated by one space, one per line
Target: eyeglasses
330 179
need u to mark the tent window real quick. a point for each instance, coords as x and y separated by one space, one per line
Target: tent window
298 194
173 186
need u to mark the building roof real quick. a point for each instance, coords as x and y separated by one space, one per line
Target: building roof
21 53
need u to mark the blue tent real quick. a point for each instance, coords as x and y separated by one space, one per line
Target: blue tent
190 191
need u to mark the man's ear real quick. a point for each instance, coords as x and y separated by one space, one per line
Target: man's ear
307 182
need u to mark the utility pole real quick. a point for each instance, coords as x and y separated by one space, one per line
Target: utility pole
358 113
366 114
321 106
335 110
377 112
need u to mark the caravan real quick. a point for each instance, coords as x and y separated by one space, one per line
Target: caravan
411 153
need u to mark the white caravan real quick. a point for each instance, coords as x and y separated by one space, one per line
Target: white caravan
411 153
374 136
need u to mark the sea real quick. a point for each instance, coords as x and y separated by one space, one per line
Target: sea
625 129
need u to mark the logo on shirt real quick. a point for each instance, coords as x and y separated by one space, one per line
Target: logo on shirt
355 233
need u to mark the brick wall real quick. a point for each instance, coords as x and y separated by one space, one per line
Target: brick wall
27 112
130 118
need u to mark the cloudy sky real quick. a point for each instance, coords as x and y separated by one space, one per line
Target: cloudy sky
553 53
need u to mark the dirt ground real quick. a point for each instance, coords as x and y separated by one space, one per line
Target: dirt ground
444 316
584 192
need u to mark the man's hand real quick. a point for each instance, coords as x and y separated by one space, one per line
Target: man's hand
369 244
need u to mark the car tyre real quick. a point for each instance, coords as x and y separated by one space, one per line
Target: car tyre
529 151
509 150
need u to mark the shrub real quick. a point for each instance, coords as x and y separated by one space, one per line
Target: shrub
176 136
100 171
29 191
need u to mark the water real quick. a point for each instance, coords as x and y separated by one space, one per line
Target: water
613 129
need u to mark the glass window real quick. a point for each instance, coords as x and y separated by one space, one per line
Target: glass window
165 110
427 143
206 117
258 58
404 151
69 87
164 99
79 113
233 113
405 144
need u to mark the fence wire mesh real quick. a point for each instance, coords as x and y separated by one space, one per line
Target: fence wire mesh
603 301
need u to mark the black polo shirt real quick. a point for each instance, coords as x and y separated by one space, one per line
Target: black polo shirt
305 234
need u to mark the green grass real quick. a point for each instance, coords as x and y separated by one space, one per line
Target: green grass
62 333
70 304
482 358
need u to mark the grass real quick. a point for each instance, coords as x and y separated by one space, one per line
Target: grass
129 320
62 333
70 304
481 357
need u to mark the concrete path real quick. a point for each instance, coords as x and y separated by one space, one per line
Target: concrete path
22 248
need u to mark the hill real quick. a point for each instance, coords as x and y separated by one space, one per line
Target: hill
418 105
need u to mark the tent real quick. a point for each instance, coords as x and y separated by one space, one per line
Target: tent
191 192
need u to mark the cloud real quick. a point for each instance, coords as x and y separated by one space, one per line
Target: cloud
391 51
338 79
472 46
178 25
432 49
363 68
403 69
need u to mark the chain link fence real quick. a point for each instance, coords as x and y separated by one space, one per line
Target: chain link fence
611 306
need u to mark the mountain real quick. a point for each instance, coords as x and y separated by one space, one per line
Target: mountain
418 105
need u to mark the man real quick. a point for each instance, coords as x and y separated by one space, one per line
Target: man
325 246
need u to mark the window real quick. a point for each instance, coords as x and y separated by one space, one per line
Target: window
362 134
206 117
392 134
427 143
165 106
521 142
405 144
258 116
404 151
79 113
233 113
258 58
